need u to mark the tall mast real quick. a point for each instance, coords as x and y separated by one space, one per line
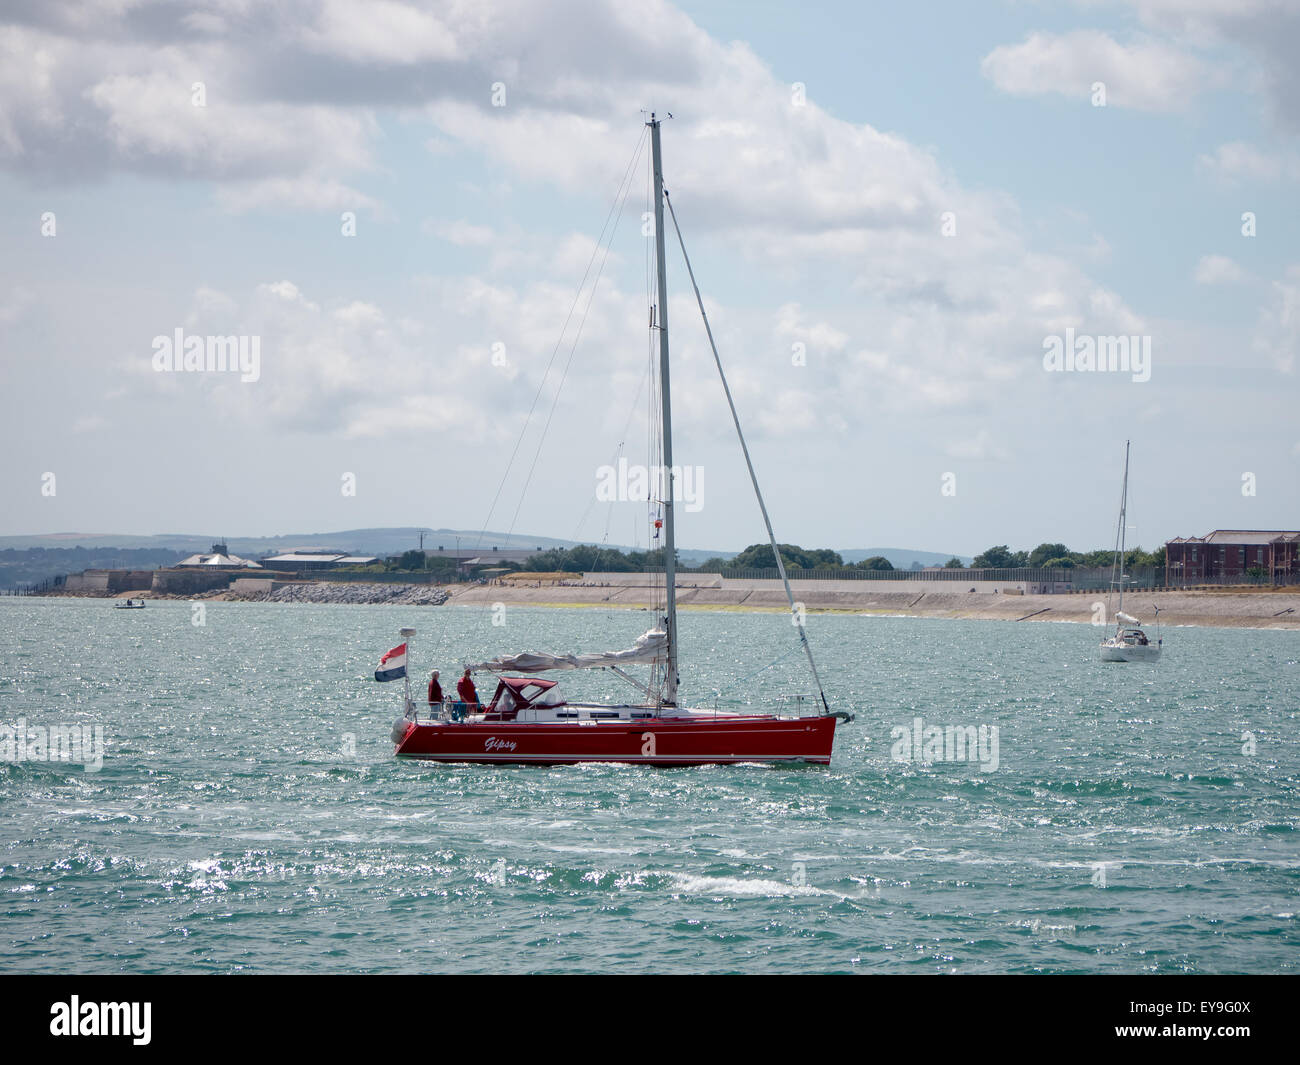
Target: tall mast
1123 512
670 543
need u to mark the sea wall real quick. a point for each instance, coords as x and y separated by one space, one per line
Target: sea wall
92 582
333 592
190 581
1230 609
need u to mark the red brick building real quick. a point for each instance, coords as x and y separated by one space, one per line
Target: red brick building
1227 554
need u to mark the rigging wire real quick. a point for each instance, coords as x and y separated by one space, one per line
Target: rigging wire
619 197
618 453
624 189
776 551
736 684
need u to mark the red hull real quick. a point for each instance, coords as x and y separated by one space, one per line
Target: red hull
657 742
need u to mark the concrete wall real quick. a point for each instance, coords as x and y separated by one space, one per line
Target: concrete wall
130 580
866 587
189 581
645 580
90 581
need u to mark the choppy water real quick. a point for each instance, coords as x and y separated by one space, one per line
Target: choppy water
249 815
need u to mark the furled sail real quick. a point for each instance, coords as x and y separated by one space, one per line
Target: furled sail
1128 619
650 647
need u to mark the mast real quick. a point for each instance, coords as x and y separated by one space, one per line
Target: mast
1123 512
670 543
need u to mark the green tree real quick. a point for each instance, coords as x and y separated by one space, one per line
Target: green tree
1039 555
876 562
999 557
954 563
759 556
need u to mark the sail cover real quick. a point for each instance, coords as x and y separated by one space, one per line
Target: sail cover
1128 619
651 646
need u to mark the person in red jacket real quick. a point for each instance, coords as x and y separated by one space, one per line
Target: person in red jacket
465 689
435 690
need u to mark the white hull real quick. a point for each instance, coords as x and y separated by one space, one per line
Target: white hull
1118 652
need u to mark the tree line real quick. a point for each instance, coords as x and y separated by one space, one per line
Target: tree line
1058 556
589 558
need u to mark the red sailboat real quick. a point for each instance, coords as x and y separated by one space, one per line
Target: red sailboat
529 721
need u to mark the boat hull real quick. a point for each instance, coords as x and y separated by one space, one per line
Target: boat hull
1110 653
660 742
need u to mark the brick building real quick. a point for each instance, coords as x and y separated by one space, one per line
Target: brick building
1227 554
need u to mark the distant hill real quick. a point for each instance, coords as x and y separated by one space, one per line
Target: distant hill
901 557
382 542
393 541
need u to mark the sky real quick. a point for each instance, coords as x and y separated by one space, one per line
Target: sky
896 214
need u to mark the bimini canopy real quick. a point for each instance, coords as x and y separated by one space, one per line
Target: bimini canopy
649 648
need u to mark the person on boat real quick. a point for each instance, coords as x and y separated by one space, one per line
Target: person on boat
466 690
435 690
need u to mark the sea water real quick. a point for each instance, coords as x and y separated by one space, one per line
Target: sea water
248 814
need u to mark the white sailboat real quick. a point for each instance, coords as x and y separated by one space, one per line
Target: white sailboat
1130 643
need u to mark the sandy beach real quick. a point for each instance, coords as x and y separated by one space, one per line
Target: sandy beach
1230 608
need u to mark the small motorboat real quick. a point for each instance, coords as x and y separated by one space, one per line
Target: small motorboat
130 604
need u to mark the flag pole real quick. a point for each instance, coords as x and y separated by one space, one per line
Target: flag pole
410 706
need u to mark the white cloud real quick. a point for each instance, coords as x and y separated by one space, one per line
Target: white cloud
817 336
979 448
379 31
1147 75
1277 333
13 306
1239 161
89 424
916 320
1218 270
297 194
461 233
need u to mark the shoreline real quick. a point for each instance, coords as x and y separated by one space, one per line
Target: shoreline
1266 609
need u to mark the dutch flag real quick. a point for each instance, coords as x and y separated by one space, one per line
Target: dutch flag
393 665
